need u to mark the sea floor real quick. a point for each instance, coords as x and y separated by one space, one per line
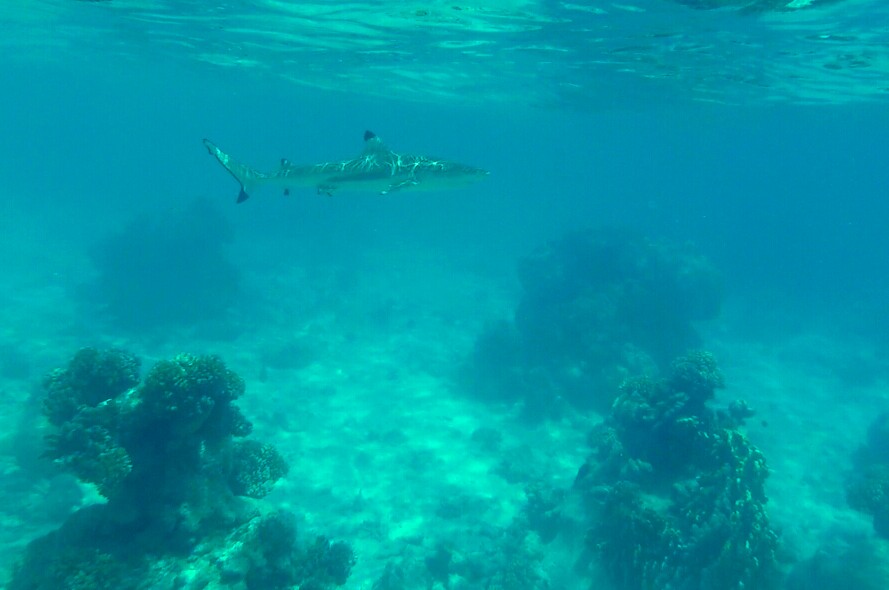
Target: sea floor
354 382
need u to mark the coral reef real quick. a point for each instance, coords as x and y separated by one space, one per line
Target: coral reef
91 377
265 553
868 488
675 493
596 306
255 468
170 456
167 272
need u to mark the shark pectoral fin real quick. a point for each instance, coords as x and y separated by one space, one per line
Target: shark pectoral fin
407 183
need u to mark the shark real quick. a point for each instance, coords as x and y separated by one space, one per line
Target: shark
377 169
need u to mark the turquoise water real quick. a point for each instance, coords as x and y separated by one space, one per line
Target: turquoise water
476 381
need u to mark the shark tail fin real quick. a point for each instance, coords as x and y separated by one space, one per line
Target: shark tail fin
246 176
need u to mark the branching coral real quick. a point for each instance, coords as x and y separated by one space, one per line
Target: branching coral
191 395
263 554
325 563
167 454
255 468
664 422
87 445
679 497
81 402
109 431
697 376
92 377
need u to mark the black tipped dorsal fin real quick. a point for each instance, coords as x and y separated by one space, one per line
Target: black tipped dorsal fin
373 144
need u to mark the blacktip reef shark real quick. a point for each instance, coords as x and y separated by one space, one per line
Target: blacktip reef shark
377 169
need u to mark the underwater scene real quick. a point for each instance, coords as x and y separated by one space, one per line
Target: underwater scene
427 295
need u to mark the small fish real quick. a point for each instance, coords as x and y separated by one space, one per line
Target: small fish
377 169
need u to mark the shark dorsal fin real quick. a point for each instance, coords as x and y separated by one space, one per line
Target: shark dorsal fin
373 144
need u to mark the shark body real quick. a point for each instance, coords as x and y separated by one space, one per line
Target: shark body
377 169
